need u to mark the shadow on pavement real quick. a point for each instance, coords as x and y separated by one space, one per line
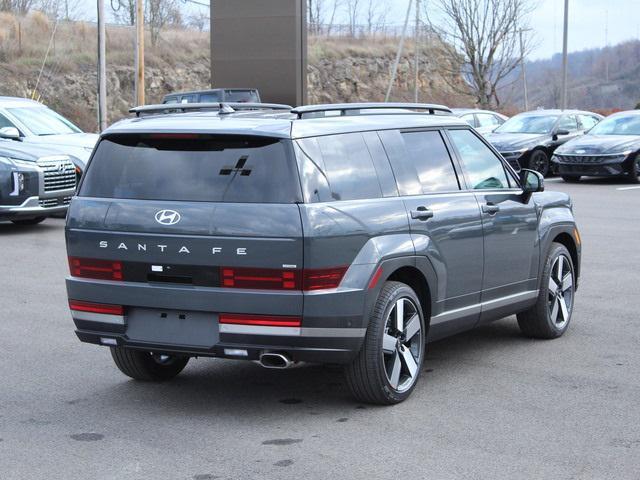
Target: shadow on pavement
228 388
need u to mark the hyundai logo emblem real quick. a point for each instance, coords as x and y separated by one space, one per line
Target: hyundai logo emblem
167 217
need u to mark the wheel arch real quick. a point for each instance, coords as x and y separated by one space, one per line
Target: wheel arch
564 238
411 276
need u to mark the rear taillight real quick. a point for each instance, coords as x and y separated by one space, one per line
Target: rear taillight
274 279
263 320
94 268
91 307
260 278
322 278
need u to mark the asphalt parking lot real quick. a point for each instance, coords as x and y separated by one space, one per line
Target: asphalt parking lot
491 404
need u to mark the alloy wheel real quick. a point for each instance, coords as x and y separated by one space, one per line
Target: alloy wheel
540 162
402 344
560 293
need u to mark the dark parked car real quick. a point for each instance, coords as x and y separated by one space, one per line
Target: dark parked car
215 95
484 121
611 148
529 139
282 236
35 182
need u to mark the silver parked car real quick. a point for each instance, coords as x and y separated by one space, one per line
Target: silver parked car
29 121
484 121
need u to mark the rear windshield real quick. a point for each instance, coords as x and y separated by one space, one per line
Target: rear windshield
250 96
198 168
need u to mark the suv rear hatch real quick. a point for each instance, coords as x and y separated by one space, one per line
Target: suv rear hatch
190 223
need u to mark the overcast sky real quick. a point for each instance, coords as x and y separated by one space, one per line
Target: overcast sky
587 22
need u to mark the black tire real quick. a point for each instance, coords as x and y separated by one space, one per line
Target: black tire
147 366
29 221
539 161
634 170
571 178
367 375
547 319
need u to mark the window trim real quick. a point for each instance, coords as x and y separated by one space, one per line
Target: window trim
509 171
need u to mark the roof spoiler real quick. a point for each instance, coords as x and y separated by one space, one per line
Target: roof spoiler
221 108
356 108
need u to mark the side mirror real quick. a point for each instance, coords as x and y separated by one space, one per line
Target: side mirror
531 181
10 133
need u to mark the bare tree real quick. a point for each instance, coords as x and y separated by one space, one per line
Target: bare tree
124 11
19 7
353 14
481 36
159 14
322 15
376 13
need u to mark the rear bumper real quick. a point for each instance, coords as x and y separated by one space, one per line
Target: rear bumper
332 328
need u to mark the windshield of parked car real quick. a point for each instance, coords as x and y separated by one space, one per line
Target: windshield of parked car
43 121
540 124
623 125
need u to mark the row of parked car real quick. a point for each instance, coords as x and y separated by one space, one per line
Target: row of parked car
43 155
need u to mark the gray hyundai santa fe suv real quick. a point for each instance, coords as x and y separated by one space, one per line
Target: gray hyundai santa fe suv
344 234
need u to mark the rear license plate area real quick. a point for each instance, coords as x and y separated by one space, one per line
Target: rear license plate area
172 327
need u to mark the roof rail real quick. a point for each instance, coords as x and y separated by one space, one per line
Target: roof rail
343 108
222 108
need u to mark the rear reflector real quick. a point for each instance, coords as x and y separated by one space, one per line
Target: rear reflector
260 278
264 320
375 278
322 278
95 268
90 307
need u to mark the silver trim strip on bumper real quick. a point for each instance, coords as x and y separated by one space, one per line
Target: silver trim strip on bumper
98 317
293 331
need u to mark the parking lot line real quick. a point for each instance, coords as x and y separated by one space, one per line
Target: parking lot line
628 188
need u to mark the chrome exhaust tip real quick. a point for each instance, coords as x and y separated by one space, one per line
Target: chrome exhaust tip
275 360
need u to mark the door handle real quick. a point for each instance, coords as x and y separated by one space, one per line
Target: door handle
490 208
421 213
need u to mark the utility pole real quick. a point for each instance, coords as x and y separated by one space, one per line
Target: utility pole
564 55
416 67
394 70
606 44
102 69
524 73
139 52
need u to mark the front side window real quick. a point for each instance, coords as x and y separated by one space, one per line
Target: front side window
588 121
5 122
43 121
486 120
484 170
430 158
195 168
568 123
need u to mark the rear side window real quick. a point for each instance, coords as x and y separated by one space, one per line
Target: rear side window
339 166
432 162
200 168
209 97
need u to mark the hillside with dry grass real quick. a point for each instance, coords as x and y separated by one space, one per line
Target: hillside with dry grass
340 69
